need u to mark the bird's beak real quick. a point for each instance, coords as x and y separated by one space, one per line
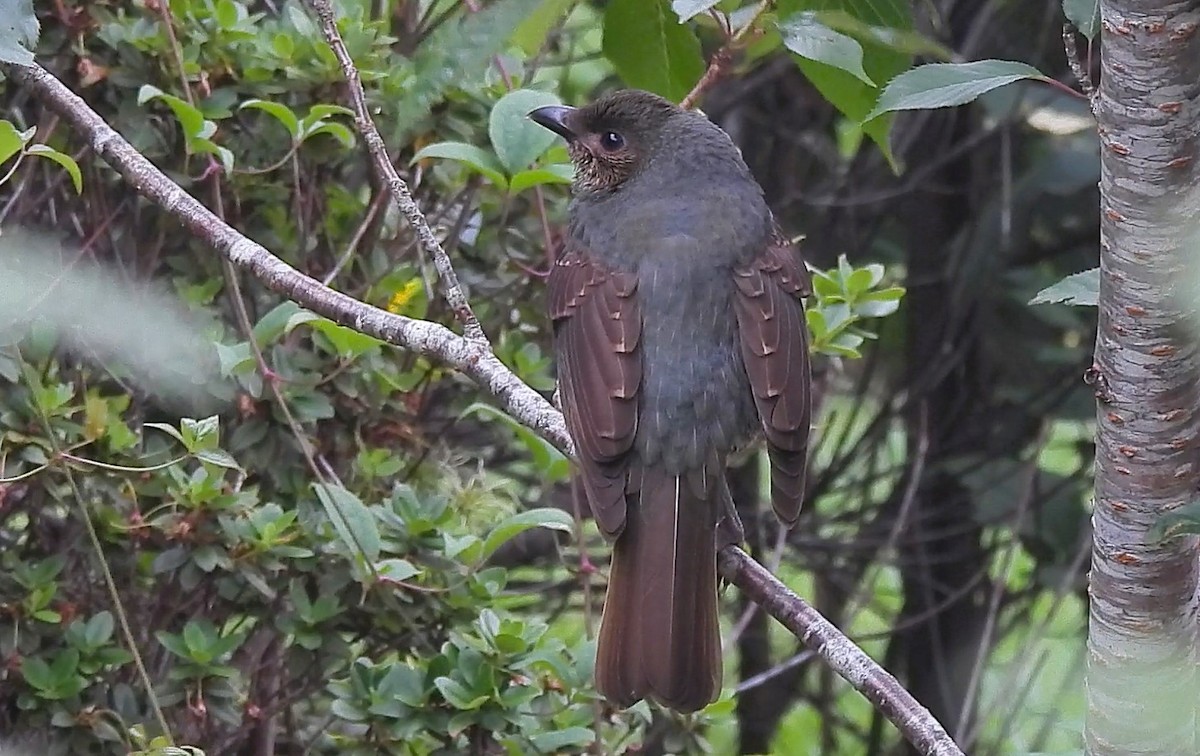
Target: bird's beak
554 117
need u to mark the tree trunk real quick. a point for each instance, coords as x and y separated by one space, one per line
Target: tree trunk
1141 683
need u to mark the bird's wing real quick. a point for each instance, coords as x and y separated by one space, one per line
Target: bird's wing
774 343
597 327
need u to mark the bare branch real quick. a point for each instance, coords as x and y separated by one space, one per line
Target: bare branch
839 652
451 289
474 358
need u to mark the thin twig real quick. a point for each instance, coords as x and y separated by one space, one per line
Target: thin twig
721 58
451 289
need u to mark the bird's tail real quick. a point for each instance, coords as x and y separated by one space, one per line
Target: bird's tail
659 635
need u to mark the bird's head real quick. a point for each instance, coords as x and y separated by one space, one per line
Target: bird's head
613 138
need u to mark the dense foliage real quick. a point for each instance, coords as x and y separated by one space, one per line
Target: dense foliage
325 545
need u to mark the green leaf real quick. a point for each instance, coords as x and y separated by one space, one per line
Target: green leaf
352 520
554 519
457 694
227 14
549 460
517 140
274 324
1183 521
901 40
11 140
99 629
396 569
18 31
650 49
66 161
191 120
346 341
1081 289
688 9
559 173
554 741
852 96
531 34
1084 15
280 112
943 85
476 157
804 35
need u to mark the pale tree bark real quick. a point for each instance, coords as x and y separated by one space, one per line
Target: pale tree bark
1141 680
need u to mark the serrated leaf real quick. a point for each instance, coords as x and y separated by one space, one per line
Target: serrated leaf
476 157
18 31
853 97
943 85
66 161
1080 289
517 140
650 49
554 519
1084 15
688 9
352 520
804 35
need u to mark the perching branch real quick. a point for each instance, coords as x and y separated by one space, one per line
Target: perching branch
473 357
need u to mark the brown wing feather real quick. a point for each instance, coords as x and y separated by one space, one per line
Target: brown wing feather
774 339
597 328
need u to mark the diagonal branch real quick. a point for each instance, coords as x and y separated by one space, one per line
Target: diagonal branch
474 358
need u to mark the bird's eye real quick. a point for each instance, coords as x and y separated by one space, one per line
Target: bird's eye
611 140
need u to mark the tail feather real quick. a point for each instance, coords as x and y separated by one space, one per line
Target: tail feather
659 635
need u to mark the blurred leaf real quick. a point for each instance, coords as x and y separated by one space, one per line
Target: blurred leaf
456 54
531 34
396 569
1081 289
1183 521
549 460
943 85
687 9
804 35
558 740
650 49
852 96
66 161
554 519
551 174
279 112
476 157
1084 15
351 519
18 31
899 40
517 140
11 140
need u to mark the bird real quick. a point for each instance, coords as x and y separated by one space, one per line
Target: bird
680 338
